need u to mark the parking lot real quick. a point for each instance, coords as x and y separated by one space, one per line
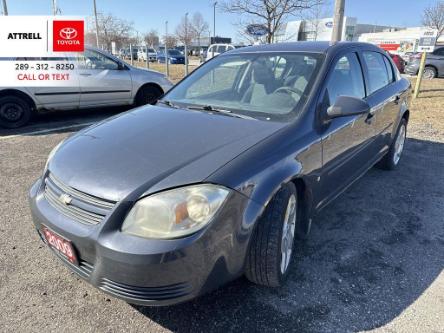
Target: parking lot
374 260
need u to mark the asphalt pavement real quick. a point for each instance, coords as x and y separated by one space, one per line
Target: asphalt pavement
374 260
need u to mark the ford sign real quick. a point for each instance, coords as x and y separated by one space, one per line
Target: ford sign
257 30
329 24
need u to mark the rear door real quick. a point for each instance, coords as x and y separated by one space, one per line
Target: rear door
382 95
347 142
102 81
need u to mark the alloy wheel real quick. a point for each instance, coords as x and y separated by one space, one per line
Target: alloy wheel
399 144
288 229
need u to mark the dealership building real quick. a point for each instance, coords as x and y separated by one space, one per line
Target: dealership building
393 39
322 29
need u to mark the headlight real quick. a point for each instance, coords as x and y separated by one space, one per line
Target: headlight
52 153
175 213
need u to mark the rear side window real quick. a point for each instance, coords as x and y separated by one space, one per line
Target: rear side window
377 72
389 67
346 79
439 51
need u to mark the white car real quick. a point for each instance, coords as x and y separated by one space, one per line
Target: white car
104 80
216 49
142 54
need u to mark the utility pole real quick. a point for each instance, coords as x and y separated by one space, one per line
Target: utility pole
97 23
186 42
338 21
5 8
166 50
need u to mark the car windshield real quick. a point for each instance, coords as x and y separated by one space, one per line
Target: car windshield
273 86
173 52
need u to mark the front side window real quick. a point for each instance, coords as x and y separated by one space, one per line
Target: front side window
94 60
272 85
377 72
345 80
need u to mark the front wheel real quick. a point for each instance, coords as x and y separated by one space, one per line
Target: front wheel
148 95
391 160
271 247
14 112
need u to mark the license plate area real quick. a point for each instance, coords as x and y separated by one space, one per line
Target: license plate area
60 245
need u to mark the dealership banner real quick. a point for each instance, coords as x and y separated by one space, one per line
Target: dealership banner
40 50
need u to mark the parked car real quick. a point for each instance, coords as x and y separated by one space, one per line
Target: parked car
142 54
166 202
398 60
434 65
104 80
174 57
216 49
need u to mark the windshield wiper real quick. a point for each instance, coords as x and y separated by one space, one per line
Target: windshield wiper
167 103
210 108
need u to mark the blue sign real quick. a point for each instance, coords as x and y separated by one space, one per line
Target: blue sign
257 30
329 24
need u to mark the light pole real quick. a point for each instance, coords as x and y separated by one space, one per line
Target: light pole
186 42
97 23
166 50
214 22
5 8
54 7
338 21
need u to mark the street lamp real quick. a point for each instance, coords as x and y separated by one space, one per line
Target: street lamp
186 42
166 49
214 21
5 8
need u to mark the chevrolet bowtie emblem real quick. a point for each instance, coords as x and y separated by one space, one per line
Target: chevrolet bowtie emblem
65 198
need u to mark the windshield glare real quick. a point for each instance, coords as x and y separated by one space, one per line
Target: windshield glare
272 85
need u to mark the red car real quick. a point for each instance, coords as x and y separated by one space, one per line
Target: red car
399 62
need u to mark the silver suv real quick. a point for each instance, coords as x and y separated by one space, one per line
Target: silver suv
104 80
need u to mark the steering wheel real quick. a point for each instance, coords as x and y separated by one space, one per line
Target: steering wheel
289 91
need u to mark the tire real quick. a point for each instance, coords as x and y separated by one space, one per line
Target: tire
391 160
148 95
14 112
429 73
266 263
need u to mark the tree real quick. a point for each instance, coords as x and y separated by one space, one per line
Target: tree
199 26
151 38
272 13
111 29
170 41
185 32
433 17
314 17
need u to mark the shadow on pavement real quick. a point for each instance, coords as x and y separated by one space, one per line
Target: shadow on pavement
371 254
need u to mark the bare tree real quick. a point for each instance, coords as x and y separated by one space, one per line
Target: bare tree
199 26
272 13
170 41
313 18
433 17
111 29
185 32
151 38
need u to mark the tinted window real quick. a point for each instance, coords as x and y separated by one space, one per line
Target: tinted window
377 72
220 49
346 79
439 51
389 67
174 52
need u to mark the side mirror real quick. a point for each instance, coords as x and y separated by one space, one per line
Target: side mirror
347 106
120 66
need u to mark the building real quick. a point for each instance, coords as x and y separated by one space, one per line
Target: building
322 30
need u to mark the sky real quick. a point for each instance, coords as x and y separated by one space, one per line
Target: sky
152 14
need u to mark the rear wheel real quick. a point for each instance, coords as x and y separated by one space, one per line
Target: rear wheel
429 73
271 247
14 112
391 160
148 95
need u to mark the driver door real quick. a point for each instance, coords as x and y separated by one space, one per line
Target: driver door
102 81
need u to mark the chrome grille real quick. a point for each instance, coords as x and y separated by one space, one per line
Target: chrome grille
75 204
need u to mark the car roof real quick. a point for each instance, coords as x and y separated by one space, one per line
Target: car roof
304 46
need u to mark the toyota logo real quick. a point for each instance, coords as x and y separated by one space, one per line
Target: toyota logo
68 33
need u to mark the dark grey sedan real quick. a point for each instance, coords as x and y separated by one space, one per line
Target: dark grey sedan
163 203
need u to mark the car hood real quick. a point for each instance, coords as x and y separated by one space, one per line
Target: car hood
153 148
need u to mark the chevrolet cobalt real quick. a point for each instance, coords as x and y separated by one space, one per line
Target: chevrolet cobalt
165 202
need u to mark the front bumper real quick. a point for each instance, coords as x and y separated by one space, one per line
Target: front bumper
149 271
411 69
